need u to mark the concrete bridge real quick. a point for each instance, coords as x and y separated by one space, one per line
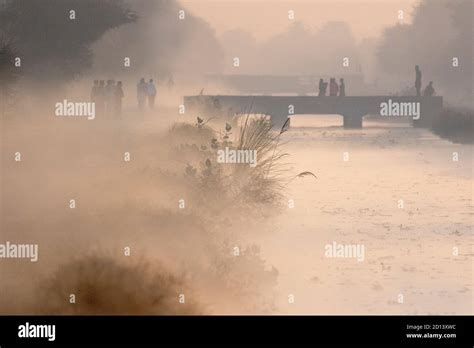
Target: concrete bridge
352 108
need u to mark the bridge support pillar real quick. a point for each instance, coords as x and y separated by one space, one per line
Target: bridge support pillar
352 121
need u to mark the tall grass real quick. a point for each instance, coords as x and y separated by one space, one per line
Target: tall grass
236 183
264 182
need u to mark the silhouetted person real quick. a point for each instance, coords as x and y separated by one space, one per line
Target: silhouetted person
151 93
342 88
109 97
94 90
429 90
322 91
118 96
141 94
333 87
418 80
100 104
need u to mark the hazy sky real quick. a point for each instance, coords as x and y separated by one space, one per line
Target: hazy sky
265 18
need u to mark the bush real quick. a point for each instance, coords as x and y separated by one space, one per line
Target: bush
104 286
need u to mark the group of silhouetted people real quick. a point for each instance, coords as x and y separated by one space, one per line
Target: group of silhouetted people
107 98
334 88
146 91
429 89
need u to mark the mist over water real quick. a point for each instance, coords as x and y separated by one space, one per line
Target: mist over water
331 220
407 251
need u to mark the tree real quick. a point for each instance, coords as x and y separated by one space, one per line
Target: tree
160 44
8 73
440 31
53 36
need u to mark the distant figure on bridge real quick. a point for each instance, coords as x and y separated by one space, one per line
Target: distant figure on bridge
342 88
429 90
141 94
151 93
322 87
418 80
333 87
118 96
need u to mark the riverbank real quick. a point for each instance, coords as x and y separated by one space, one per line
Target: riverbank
455 124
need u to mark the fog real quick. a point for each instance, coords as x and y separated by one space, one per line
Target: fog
133 212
